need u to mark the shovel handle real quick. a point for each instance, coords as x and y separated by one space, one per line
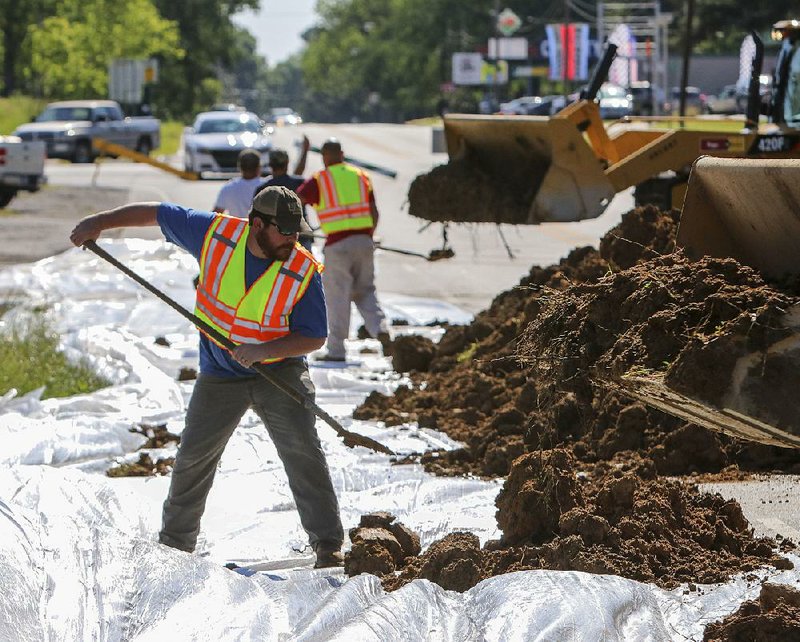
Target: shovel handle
351 439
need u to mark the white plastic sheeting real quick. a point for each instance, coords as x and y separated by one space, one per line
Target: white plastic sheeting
78 552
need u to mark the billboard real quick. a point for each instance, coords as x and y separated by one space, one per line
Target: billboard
568 49
471 69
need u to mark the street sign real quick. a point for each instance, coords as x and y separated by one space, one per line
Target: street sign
508 22
508 48
467 68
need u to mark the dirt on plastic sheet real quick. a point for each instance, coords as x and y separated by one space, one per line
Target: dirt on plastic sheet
773 617
522 387
143 467
529 371
606 519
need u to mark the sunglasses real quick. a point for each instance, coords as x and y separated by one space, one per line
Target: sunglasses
281 231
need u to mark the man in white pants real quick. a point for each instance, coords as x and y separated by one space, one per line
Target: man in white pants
345 203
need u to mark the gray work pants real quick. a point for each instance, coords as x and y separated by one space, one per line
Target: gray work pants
215 409
350 276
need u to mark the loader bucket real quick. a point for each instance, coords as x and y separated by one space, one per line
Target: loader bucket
512 169
747 209
759 392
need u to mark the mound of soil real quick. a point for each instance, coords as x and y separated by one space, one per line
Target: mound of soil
464 191
530 370
609 520
774 617
412 352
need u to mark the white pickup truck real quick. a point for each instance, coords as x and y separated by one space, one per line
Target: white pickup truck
21 167
69 127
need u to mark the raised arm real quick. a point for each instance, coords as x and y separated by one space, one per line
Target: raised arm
132 215
300 167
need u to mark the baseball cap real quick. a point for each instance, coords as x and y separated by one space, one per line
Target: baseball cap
283 207
278 157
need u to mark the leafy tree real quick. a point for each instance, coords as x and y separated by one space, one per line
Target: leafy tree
209 36
70 51
15 18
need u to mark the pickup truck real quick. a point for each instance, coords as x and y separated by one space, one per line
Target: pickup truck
21 167
68 128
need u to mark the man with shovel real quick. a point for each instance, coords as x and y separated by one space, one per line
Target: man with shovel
261 290
343 198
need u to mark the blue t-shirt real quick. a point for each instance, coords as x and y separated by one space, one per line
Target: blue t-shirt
187 228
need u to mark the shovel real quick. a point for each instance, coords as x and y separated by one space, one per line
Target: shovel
350 439
433 255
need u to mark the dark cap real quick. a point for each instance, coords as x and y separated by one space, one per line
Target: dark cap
249 159
283 207
278 157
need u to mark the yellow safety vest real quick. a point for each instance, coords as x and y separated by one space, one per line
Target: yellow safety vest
257 314
343 199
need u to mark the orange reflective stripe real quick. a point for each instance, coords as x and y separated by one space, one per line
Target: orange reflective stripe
290 276
331 197
224 238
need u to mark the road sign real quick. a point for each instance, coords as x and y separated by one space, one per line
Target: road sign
467 68
508 48
508 22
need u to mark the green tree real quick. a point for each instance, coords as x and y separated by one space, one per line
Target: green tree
15 18
209 36
70 51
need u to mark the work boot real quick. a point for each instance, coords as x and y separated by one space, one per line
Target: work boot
329 557
386 343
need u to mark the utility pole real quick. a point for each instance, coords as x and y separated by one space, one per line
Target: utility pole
564 50
687 54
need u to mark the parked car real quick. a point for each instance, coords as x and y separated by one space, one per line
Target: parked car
614 101
695 101
284 116
733 98
69 127
213 142
533 105
227 107
22 167
645 98
728 101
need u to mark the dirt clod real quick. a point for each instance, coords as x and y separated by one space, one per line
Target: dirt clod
773 617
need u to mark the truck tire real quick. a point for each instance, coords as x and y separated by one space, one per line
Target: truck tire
6 194
144 145
83 152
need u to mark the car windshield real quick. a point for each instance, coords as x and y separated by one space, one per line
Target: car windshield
64 113
282 111
228 126
612 91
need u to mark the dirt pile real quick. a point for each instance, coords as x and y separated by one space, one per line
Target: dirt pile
468 191
773 617
529 372
628 523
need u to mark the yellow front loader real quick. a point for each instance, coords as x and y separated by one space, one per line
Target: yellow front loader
534 169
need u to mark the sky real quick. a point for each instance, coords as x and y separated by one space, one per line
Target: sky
277 26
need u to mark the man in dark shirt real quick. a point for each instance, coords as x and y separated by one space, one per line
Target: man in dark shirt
279 167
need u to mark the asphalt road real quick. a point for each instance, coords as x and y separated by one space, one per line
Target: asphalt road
480 269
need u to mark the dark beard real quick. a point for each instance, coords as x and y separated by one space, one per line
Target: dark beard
273 252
